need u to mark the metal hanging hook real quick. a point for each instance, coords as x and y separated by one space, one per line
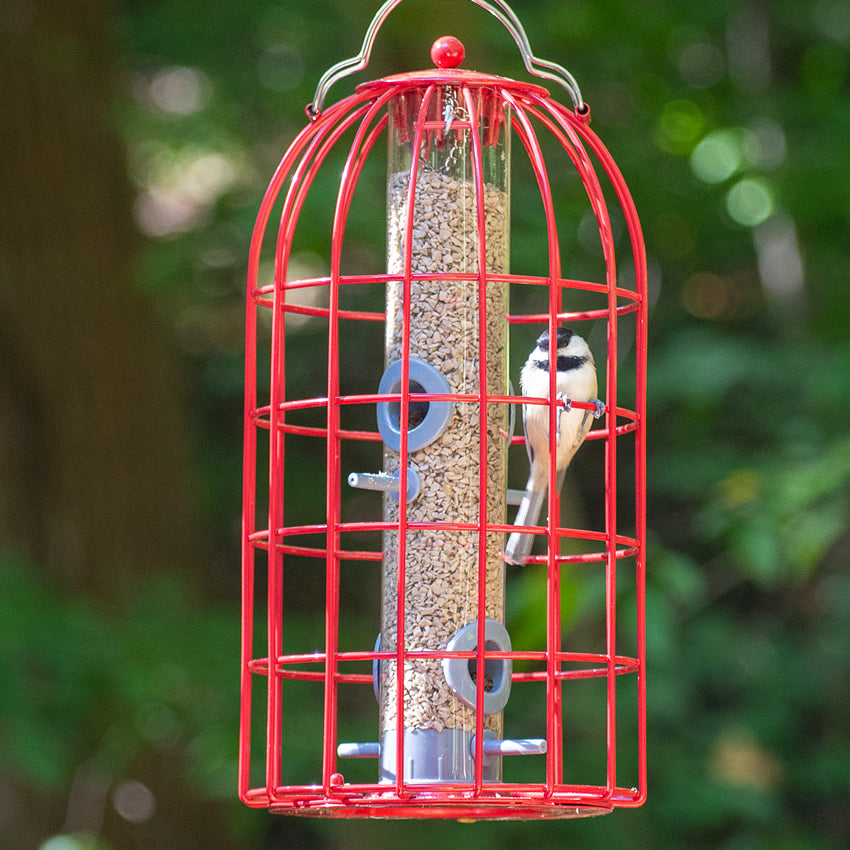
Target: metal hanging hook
500 10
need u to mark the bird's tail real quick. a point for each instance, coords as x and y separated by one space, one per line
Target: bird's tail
519 544
518 547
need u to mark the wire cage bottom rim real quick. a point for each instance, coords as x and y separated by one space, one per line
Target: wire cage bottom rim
424 808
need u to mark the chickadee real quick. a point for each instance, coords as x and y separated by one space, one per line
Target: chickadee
575 381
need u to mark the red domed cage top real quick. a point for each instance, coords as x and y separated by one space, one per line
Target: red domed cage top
368 615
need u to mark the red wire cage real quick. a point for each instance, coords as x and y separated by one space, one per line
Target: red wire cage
447 312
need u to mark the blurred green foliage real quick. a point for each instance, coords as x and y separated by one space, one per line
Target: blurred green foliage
731 123
113 685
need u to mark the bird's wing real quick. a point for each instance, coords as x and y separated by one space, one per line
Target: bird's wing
528 447
581 433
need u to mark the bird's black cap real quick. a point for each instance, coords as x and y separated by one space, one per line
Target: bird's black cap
564 337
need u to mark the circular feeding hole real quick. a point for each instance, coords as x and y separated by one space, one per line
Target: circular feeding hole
426 419
493 668
416 410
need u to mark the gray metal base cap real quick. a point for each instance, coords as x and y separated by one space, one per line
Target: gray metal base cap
432 756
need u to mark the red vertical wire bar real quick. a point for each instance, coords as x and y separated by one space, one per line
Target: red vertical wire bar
404 421
275 556
249 521
640 510
348 183
333 510
403 437
313 136
554 706
276 496
249 463
553 501
325 137
607 239
606 235
640 522
553 689
568 121
640 486
478 179
639 258
611 508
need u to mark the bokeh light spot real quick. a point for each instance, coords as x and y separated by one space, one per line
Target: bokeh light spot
750 201
718 156
705 295
63 842
179 90
134 801
740 488
739 760
679 126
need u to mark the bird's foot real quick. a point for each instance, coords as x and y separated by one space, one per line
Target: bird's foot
565 402
600 408
565 406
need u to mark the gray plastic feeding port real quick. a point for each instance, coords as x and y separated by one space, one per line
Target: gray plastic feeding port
359 751
426 419
459 671
434 756
387 482
510 747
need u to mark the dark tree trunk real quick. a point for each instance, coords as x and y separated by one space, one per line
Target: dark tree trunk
93 457
93 446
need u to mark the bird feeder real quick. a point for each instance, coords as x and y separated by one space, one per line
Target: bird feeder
460 637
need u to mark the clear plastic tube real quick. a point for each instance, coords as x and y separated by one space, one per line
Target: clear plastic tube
447 319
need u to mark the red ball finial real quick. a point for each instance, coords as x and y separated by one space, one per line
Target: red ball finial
447 52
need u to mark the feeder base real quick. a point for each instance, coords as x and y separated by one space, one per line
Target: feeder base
447 809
